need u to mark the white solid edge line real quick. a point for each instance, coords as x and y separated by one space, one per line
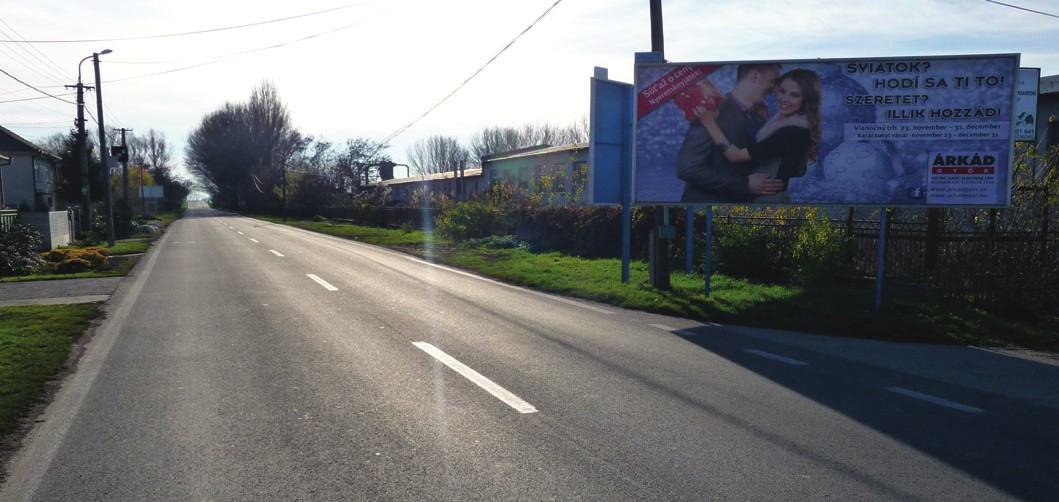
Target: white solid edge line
322 282
277 253
776 357
491 387
936 400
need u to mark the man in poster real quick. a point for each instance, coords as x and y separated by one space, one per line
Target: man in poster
708 175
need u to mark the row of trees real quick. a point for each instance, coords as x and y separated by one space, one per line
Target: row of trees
150 164
249 156
437 154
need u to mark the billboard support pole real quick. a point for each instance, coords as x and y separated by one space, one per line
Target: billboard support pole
626 202
689 237
709 249
880 261
626 233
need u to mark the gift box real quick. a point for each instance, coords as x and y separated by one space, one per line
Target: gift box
700 94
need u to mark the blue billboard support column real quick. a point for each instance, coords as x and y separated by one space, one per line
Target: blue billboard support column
626 237
709 249
689 238
610 152
880 263
626 185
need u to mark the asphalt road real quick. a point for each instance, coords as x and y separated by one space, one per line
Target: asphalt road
250 361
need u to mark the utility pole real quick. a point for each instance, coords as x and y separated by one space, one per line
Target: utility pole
103 154
658 254
124 157
82 146
143 199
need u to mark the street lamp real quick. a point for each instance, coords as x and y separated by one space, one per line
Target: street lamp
108 197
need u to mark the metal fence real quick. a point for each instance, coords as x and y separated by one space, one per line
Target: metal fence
8 217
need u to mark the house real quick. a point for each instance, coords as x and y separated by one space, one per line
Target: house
555 174
1048 112
459 184
27 184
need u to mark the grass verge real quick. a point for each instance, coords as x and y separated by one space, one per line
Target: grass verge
35 343
841 311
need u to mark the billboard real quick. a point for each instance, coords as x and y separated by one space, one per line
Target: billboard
1026 104
917 131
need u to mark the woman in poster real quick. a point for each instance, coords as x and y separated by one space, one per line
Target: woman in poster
788 140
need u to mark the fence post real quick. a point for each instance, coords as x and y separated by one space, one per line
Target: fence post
880 263
709 249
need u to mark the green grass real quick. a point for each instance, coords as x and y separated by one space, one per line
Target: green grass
380 236
841 311
113 272
35 342
128 247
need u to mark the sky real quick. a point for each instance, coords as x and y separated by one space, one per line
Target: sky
369 68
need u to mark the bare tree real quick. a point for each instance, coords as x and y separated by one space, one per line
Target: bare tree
358 164
151 150
493 140
437 154
57 143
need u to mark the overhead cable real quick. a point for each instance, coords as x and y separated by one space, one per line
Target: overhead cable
1023 8
199 32
475 74
16 79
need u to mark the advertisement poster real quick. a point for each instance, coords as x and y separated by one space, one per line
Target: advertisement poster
1026 104
923 131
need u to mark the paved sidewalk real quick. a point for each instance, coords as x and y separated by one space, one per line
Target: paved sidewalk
55 292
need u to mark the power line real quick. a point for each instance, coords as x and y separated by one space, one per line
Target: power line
37 98
16 79
199 32
475 74
237 54
50 69
1023 8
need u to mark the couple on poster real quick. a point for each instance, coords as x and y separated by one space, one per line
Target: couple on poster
734 151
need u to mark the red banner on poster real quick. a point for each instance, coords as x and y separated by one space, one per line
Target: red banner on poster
669 86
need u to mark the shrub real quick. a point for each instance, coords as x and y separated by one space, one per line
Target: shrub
778 245
498 242
19 245
819 251
753 247
73 266
72 260
466 220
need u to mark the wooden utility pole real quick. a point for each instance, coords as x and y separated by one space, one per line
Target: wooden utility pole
124 157
658 254
82 153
